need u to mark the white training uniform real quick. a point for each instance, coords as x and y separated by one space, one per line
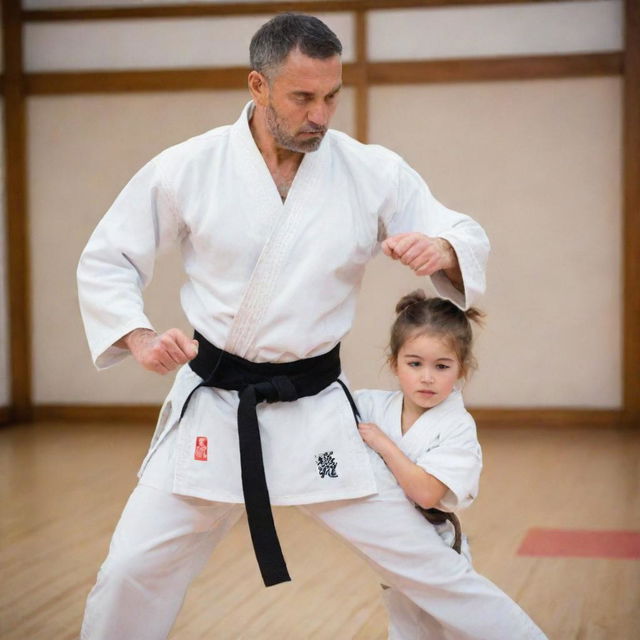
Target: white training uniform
270 282
443 441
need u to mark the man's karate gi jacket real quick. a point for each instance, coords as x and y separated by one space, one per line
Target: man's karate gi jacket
268 281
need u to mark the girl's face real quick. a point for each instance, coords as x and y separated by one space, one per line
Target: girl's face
427 369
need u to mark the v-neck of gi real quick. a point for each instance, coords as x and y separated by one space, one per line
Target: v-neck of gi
280 223
428 419
259 168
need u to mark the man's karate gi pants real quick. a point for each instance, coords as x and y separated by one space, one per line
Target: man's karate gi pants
164 540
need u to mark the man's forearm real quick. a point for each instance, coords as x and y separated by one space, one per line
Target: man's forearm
452 270
134 337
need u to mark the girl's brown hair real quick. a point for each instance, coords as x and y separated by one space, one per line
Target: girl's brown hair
419 315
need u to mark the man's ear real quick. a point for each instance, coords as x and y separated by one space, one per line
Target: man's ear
259 88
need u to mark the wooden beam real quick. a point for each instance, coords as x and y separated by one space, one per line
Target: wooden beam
547 418
146 414
631 220
362 79
4 415
243 8
491 69
354 74
70 82
135 81
16 214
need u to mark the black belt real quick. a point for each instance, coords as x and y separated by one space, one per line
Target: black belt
263 382
435 516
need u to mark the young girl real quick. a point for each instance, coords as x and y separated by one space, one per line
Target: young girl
423 433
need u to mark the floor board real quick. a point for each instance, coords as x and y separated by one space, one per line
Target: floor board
62 487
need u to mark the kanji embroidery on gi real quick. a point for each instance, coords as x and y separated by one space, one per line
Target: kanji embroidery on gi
327 464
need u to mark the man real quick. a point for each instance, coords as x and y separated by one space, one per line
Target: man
276 216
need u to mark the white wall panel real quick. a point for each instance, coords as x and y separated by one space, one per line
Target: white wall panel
5 388
82 151
538 164
153 44
496 30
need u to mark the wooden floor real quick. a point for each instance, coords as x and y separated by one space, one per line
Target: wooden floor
63 486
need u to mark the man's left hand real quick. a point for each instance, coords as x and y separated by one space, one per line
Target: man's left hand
421 253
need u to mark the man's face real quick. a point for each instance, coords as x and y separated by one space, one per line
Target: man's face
302 98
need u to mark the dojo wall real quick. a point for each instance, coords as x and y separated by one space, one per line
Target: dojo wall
83 150
537 162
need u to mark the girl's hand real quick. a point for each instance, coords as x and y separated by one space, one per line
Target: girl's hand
374 436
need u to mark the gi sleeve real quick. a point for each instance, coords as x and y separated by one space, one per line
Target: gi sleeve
417 210
456 461
118 262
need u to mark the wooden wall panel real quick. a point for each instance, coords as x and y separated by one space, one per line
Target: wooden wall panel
496 30
538 164
77 170
96 45
16 86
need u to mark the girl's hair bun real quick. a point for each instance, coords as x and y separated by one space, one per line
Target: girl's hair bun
410 299
475 315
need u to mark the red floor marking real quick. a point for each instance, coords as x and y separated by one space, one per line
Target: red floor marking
576 543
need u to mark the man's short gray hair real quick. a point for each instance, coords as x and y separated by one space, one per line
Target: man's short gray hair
274 40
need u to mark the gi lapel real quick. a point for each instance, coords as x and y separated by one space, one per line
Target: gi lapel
262 286
428 426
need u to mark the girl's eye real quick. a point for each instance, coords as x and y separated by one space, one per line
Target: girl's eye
442 366
414 363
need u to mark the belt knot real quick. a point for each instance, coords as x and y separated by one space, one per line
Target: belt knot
276 389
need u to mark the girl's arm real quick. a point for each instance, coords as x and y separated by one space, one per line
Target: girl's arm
421 487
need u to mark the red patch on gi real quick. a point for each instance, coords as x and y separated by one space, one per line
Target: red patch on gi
201 448
577 543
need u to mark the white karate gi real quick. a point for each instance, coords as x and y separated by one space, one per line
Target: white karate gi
268 281
443 441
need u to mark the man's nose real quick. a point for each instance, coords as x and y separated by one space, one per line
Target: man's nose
319 115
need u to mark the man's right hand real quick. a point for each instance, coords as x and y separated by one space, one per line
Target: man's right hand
162 352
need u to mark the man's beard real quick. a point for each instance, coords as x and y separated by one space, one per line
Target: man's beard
285 140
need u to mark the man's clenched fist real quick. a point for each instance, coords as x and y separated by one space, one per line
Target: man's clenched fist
160 353
424 255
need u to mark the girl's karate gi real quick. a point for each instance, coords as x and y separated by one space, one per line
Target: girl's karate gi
270 282
444 443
